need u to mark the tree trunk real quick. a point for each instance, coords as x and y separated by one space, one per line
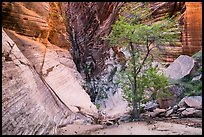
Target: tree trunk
135 113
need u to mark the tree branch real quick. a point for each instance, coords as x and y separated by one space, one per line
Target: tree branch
147 54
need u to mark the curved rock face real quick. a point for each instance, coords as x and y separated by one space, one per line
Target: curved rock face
42 21
29 105
56 67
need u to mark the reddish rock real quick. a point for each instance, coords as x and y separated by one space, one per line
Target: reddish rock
182 103
169 112
192 112
87 23
192 28
181 109
156 112
194 102
42 21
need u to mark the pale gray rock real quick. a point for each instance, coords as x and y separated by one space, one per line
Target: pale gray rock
151 105
175 107
56 67
114 105
181 67
197 77
176 90
192 101
156 112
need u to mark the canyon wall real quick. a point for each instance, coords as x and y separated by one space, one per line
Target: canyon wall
88 23
29 105
192 28
41 87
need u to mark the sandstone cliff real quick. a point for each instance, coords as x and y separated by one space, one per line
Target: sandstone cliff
42 88
29 104
192 28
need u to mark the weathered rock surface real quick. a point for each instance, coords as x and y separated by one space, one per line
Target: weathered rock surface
181 67
41 20
150 106
191 112
56 67
169 112
181 109
182 103
190 20
187 107
87 23
194 102
192 28
29 105
156 112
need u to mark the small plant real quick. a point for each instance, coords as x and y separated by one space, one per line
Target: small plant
164 94
97 105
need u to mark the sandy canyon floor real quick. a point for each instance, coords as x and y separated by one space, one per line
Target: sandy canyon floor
183 126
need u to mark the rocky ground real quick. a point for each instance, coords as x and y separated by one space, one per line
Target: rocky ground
183 126
182 119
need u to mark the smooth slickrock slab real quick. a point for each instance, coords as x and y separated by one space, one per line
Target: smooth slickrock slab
29 105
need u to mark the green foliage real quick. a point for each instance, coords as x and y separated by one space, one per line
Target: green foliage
149 80
135 32
140 31
97 105
198 56
191 88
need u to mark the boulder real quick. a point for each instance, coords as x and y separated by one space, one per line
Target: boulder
169 112
197 77
176 90
194 102
180 68
175 107
114 105
191 112
181 109
150 106
156 112
182 103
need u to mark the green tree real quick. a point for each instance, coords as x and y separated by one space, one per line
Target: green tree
135 33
